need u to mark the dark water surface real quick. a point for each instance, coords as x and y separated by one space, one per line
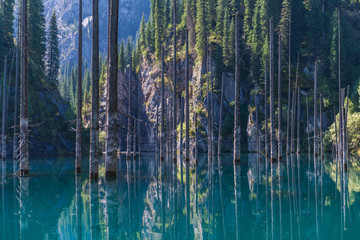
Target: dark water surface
149 200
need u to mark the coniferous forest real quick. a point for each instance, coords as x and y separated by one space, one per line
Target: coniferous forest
227 119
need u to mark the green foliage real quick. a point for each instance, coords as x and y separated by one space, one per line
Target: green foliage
121 61
53 52
353 130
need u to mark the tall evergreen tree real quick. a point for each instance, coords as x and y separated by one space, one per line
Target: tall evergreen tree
142 34
159 25
220 13
37 40
200 28
6 29
122 57
53 52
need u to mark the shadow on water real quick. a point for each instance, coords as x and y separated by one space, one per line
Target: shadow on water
152 199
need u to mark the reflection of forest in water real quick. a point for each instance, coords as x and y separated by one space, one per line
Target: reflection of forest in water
158 200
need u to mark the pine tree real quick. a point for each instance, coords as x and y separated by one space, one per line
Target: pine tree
6 29
128 50
53 52
37 39
201 29
226 45
220 14
142 35
122 57
159 24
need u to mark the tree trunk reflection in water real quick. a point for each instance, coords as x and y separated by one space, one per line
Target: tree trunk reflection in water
23 199
237 189
78 206
94 209
110 206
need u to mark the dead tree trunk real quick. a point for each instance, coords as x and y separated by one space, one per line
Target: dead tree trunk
237 131
266 113
208 107
307 124
212 111
181 126
94 134
3 137
162 132
195 147
279 102
315 113
289 92
272 107
79 96
138 92
257 127
321 131
339 76
156 132
111 99
187 109
221 114
24 118
15 137
174 83
293 115
129 130
298 121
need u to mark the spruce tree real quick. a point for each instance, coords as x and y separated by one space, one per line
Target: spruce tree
200 28
122 57
37 39
53 52
220 13
142 34
159 24
6 29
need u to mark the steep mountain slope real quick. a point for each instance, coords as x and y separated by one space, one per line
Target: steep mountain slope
130 13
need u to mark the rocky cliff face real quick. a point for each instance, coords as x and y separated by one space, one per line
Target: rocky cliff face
130 13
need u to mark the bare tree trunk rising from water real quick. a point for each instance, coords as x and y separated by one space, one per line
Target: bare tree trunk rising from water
111 98
237 131
94 134
24 118
79 95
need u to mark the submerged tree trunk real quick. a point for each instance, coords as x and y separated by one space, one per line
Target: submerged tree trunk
162 131
181 126
174 83
94 134
111 98
24 118
221 114
3 137
187 109
272 108
129 130
79 95
138 121
237 131
279 103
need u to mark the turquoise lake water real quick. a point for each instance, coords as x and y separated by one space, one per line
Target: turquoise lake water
153 200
